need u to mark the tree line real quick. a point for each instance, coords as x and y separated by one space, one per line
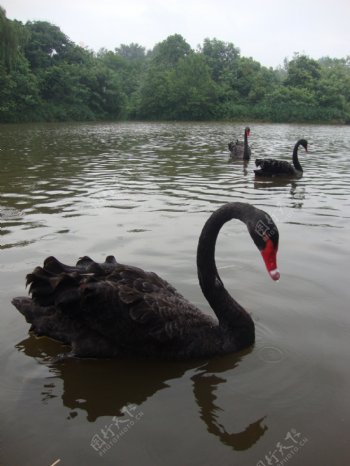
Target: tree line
44 76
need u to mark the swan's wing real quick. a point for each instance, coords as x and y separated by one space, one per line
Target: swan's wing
137 305
109 302
232 145
236 148
272 166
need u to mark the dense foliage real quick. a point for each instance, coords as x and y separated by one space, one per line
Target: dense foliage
46 77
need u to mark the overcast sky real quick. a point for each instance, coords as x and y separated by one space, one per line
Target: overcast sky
267 30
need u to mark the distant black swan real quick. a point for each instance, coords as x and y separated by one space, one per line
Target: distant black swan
110 309
272 167
241 149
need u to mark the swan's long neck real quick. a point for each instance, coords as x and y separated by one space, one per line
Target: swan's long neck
296 162
229 313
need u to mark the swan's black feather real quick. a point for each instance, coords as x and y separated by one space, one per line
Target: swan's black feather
126 307
273 167
237 149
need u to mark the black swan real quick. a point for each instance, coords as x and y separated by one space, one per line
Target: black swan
109 309
241 149
272 167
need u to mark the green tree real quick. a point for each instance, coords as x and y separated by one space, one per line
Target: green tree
19 96
221 57
132 51
47 44
168 52
8 40
154 101
192 92
128 63
333 90
105 95
153 97
287 104
45 76
303 72
19 93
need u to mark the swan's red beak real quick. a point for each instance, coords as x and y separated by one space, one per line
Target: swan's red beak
269 254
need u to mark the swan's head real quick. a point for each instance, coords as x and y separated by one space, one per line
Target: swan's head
247 130
265 235
303 142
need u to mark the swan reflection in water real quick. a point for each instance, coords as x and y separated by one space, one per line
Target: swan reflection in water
105 387
237 164
296 197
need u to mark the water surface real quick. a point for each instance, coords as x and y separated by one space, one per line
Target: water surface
143 192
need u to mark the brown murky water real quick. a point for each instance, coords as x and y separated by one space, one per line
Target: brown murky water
142 192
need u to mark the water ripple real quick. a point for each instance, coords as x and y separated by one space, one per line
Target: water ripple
57 170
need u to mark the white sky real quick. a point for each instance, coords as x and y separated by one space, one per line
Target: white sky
267 30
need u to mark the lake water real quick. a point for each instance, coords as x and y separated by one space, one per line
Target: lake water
143 192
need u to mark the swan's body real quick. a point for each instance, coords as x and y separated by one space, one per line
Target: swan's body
241 149
272 167
110 309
